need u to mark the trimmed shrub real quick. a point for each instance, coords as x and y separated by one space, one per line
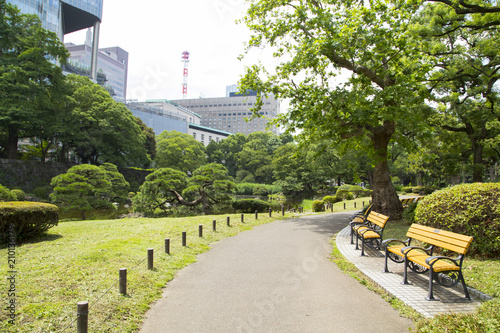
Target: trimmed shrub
245 188
318 206
346 187
407 189
357 191
469 209
25 220
5 194
251 205
344 195
260 190
18 195
43 192
331 199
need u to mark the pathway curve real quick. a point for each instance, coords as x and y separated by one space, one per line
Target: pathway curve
274 278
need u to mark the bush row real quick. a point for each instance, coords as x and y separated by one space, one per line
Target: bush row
419 189
256 189
22 220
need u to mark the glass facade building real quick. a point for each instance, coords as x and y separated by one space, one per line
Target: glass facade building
63 16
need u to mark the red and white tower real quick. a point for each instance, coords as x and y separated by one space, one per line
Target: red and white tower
185 60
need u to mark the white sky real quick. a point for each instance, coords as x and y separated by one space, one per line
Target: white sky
156 32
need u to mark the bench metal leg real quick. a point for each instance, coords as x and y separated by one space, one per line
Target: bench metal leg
430 297
352 234
386 269
357 239
466 291
362 247
405 274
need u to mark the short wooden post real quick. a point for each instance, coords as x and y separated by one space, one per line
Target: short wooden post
354 204
150 258
228 221
184 238
167 245
283 211
214 225
82 321
270 212
256 214
344 205
200 230
363 203
242 218
123 281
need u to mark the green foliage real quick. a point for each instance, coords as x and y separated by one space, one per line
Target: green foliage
470 209
83 188
43 192
260 190
343 194
166 187
318 206
331 199
409 213
179 151
407 189
251 205
120 187
486 319
5 194
18 195
357 191
25 220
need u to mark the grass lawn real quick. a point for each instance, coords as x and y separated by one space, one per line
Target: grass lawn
80 261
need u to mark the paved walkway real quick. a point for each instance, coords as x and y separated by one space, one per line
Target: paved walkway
451 300
274 278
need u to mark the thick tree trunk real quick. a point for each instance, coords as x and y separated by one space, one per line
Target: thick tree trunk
385 198
478 165
12 143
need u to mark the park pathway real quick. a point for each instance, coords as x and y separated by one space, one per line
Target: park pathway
274 278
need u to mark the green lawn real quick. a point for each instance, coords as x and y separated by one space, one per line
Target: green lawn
80 261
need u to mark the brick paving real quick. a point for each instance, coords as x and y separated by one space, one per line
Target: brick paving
414 295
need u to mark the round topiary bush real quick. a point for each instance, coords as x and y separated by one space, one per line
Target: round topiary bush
18 195
22 220
5 194
331 199
469 209
318 206
251 205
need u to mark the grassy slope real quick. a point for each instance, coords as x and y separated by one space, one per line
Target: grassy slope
80 261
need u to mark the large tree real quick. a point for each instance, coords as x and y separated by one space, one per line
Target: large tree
381 97
463 42
179 151
29 78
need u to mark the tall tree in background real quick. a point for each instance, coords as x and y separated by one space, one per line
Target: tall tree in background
463 40
29 79
382 96
179 151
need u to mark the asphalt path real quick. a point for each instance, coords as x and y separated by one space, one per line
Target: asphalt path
274 278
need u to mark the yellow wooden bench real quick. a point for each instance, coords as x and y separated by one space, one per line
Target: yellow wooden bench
359 218
445 270
370 232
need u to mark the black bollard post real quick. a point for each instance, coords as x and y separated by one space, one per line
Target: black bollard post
270 212
167 245
283 211
123 281
214 225
150 258
82 321
242 218
228 221
256 214
200 230
184 238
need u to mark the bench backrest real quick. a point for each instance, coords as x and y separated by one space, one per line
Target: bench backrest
445 239
377 219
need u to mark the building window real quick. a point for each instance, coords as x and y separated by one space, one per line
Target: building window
194 135
209 139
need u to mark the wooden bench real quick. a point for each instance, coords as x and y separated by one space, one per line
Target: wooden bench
359 218
446 271
370 232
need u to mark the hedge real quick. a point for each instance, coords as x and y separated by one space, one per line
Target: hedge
251 205
27 220
469 209
318 206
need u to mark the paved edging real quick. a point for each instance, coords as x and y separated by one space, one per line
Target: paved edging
412 295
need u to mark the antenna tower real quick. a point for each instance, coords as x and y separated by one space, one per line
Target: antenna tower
185 60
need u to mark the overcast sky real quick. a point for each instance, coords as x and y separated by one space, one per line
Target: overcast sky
156 32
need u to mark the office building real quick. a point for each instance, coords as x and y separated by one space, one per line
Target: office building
67 16
232 114
165 115
112 62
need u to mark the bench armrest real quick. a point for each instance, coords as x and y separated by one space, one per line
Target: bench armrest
388 241
432 260
407 249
